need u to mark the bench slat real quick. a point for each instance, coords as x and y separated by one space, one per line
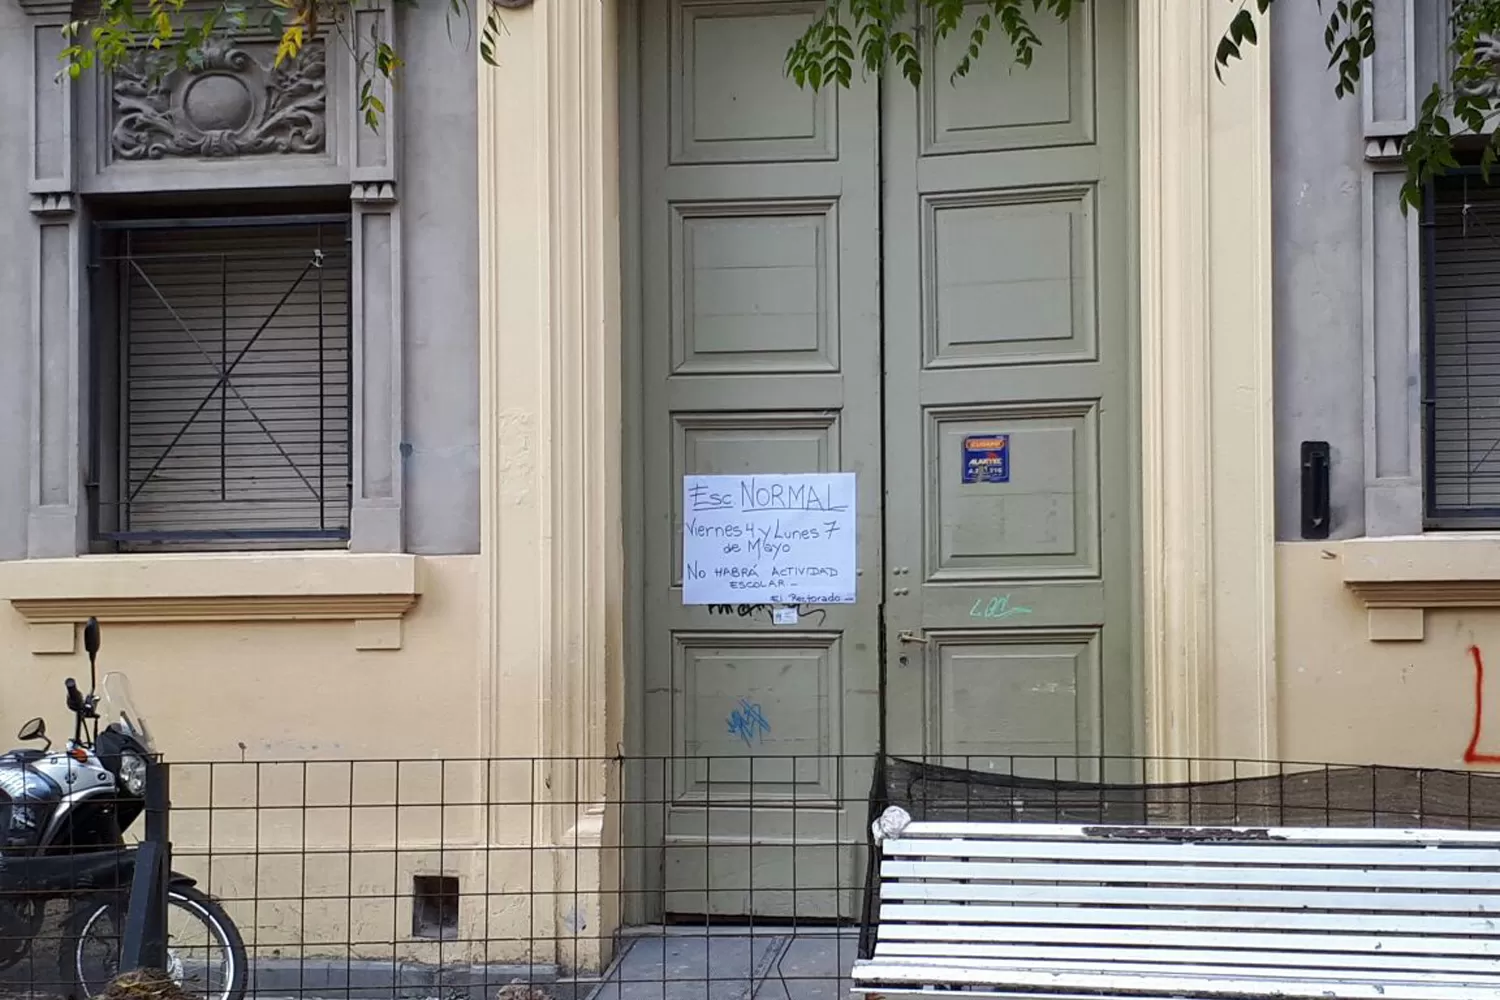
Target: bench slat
1151 937
1332 878
884 992
1335 836
1144 966
1068 910
925 972
1165 954
1097 851
1240 920
1293 898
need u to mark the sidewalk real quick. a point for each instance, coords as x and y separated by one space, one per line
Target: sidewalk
761 963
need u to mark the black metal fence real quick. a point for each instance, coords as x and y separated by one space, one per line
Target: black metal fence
628 878
75 909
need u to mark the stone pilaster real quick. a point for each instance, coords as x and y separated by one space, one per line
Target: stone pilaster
1206 450
1391 270
552 541
57 520
376 518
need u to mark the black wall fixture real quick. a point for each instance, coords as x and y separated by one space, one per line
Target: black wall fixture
1315 501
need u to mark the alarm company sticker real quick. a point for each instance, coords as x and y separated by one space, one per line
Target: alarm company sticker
987 458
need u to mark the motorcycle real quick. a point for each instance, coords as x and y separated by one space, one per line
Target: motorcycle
63 817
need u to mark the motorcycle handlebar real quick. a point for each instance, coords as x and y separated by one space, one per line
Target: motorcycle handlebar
75 697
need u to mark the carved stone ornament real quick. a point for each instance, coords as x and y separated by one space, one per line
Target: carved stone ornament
231 104
1487 57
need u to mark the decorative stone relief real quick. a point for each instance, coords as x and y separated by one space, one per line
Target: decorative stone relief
1487 55
373 192
52 204
236 103
1383 149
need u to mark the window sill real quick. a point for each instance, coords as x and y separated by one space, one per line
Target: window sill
1399 578
373 592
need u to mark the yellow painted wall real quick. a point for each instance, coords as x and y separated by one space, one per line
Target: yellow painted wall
1347 699
311 857
286 690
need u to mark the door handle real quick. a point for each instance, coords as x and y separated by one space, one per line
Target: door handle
907 635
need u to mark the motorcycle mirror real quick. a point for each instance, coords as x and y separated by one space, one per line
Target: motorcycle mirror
91 643
36 729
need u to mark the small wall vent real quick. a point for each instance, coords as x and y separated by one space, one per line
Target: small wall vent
434 907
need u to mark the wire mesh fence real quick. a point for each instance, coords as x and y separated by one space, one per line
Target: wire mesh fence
622 878
54 915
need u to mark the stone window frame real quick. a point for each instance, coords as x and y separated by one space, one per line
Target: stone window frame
363 160
1400 568
1391 263
1412 52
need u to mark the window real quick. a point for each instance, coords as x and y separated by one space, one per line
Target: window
1462 353
222 383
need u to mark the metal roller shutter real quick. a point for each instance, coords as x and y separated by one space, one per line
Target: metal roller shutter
1463 353
235 394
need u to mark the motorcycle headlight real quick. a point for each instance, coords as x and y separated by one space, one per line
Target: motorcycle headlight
133 773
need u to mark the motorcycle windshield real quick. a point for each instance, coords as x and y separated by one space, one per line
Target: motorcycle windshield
118 708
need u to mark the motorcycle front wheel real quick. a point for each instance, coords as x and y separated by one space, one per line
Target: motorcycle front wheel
205 954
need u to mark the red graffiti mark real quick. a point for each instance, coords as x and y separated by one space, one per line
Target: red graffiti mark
1472 754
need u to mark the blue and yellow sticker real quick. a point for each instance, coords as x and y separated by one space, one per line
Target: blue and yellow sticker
987 458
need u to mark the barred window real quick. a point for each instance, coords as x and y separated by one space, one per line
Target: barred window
223 397
1462 353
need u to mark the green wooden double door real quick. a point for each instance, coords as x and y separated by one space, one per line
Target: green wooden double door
881 280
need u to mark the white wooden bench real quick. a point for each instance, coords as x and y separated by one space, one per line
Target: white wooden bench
1019 910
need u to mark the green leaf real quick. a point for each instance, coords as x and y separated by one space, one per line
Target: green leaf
1226 51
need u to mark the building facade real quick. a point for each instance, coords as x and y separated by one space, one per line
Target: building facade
241 406
368 444
1383 363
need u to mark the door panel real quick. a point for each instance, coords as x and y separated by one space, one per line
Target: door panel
1003 266
759 258
1036 271
998 106
1008 316
1045 687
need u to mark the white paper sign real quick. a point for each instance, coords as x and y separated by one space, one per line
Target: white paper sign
768 539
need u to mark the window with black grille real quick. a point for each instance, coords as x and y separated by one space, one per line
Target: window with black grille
1462 352
222 404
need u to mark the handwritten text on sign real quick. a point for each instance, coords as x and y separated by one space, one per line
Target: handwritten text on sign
776 539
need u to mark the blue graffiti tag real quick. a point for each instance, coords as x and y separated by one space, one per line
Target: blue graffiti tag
748 720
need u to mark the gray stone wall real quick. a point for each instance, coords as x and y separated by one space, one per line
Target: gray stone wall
440 255
16 239
1346 269
411 187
